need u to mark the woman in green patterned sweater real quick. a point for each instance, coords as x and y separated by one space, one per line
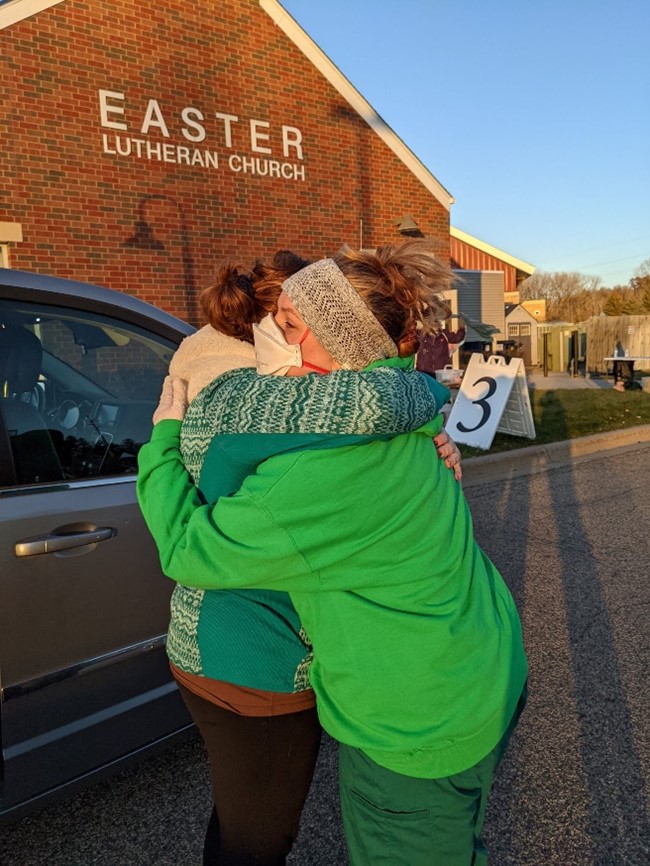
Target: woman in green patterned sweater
419 667
241 657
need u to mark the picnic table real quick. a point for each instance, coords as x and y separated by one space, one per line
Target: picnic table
623 369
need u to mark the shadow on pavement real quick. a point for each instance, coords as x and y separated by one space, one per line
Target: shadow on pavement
617 809
571 790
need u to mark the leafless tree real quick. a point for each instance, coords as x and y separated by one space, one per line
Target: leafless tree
570 297
640 285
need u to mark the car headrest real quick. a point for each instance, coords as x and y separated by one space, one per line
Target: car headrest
21 356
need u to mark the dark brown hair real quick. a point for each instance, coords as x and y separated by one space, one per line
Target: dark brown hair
401 287
241 296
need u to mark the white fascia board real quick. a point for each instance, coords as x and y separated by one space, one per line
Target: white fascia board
18 10
492 251
333 74
474 271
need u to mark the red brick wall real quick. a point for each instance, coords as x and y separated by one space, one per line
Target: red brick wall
78 205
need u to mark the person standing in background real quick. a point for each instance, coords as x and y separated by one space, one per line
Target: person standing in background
437 347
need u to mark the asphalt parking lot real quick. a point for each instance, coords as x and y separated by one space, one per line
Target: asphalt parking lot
574 787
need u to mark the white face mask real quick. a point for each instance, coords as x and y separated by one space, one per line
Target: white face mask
274 355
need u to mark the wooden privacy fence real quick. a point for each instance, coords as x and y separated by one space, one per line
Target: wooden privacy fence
605 333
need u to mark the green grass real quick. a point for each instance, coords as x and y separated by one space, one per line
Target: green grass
568 414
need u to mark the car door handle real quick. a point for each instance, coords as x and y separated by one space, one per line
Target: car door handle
63 541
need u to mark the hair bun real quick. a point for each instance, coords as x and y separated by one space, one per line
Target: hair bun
245 283
401 286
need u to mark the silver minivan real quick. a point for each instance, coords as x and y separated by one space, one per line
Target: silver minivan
84 682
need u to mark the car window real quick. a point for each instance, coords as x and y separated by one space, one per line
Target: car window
78 391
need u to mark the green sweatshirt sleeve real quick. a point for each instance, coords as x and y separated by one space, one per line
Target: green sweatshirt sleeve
199 546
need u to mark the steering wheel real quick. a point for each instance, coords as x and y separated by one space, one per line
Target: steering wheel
66 415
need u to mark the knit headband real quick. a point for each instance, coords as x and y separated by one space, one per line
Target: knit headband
337 316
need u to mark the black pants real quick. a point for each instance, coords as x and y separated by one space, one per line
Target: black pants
261 770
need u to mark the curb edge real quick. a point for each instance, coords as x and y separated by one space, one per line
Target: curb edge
539 458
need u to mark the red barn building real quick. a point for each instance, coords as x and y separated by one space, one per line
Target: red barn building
470 253
145 143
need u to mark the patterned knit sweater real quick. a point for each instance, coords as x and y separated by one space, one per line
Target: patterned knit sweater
418 654
252 637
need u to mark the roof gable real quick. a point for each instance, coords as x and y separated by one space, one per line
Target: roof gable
492 251
333 74
516 311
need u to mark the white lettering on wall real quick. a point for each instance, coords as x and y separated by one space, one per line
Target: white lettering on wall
211 159
190 116
291 137
154 151
157 127
228 120
105 109
257 136
263 167
153 117
167 152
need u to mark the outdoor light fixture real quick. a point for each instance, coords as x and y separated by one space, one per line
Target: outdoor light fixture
408 227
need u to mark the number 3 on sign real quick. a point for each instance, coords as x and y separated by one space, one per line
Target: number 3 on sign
486 389
483 402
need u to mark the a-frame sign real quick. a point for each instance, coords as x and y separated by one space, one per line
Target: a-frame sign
493 396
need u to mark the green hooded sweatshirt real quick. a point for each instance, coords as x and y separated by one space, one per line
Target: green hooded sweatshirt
418 655
254 637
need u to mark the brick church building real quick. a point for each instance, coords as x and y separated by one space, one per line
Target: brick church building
145 143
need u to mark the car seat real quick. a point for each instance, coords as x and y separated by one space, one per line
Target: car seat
34 456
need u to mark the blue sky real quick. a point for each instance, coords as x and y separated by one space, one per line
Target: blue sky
535 116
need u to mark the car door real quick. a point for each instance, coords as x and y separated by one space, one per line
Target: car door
84 607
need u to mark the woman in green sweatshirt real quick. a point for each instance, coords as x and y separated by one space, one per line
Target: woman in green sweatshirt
418 662
240 656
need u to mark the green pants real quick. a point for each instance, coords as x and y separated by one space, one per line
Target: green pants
395 820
